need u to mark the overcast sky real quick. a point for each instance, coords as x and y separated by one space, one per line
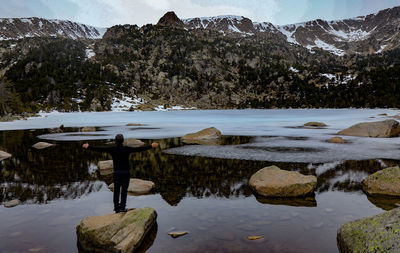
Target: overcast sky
105 13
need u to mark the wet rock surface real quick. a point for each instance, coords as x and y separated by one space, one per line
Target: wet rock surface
274 182
337 140
122 232
137 186
383 182
380 129
4 155
380 233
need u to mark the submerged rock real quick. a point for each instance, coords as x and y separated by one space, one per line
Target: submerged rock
4 155
42 145
315 124
337 140
383 182
88 129
205 136
134 124
137 186
121 232
379 233
12 203
255 237
106 167
274 182
380 129
176 234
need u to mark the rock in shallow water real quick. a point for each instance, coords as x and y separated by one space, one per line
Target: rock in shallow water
380 129
337 140
274 182
315 124
4 155
137 186
122 232
176 234
42 145
383 182
380 233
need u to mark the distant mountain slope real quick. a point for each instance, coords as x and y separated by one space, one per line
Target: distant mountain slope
18 28
373 33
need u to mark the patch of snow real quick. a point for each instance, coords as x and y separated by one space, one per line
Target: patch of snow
89 53
294 70
125 103
40 24
27 20
381 49
328 47
173 108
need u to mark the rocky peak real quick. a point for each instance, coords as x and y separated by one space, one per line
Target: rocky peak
170 19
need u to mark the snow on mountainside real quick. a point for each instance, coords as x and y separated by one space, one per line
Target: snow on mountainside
373 33
18 28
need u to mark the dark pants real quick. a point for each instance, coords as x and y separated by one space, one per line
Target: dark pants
121 183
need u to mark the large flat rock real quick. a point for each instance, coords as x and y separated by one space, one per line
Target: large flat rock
121 232
379 129
383 182
380 233
274 182
4 155
137 186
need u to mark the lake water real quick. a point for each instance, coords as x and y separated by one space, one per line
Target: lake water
200 189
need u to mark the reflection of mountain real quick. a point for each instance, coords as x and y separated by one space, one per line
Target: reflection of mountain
66 171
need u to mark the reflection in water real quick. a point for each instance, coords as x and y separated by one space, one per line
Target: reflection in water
210 197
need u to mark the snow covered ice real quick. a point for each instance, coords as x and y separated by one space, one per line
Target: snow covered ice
278 134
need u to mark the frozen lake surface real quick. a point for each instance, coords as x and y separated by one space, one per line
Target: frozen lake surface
278 133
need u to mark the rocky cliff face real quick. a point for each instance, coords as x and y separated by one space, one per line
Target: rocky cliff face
18 28
170 19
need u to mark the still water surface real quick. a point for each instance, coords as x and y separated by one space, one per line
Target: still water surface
209 197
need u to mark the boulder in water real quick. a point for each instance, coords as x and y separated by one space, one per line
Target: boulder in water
106 167
206 136
42 145
274 182
88 129
121 232
383 182
337 140
379 129
4 155
137 186
379 233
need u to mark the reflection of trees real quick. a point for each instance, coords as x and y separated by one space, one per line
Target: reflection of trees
63 171
38 176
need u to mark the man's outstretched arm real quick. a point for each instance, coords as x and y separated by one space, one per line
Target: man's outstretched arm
98 149
144 148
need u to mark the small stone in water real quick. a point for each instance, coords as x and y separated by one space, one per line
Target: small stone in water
177 233
12 203
255 237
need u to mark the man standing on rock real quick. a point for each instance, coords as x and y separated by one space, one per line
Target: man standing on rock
120 155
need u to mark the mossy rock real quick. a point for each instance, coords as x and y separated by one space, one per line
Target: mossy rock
383 182
380 233
121 232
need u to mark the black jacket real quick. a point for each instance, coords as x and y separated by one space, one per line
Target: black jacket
120 155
